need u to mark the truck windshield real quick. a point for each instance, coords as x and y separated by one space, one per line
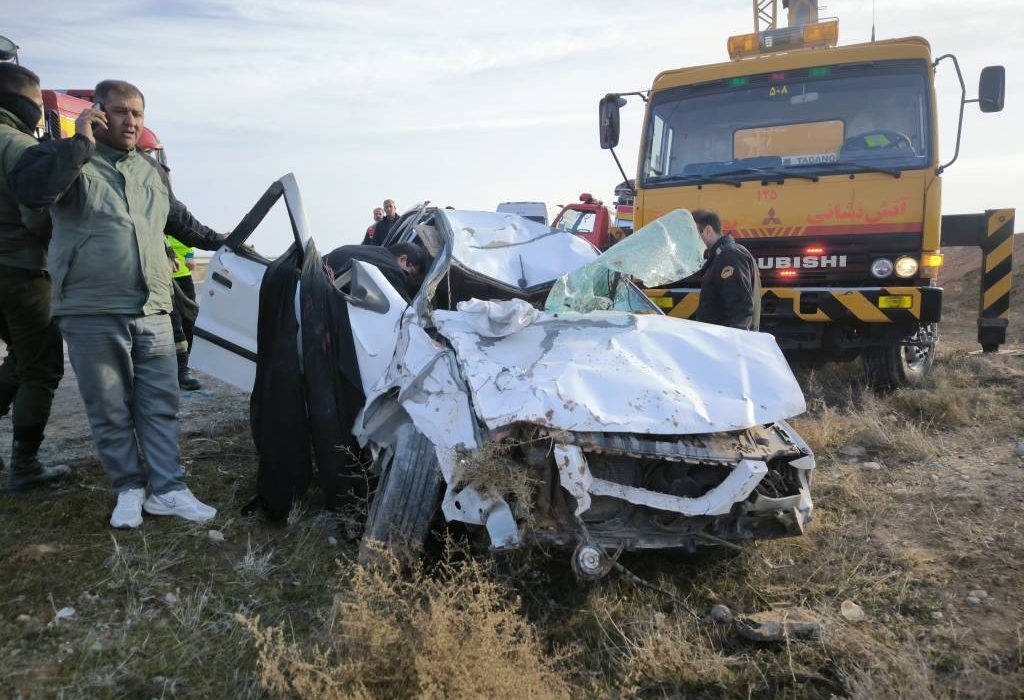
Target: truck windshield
824 119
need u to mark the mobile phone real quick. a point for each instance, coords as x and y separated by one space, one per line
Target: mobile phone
98 106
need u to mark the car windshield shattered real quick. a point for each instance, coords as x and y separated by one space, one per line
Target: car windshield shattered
666 250
531 390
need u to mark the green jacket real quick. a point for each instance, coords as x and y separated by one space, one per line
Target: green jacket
183 253
24 233
110 210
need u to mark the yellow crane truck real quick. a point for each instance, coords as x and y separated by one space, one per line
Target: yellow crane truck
824 161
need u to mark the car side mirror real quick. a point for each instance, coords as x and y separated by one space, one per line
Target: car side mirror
364 293
992 89
608 116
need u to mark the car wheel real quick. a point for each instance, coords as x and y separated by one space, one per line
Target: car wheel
407 497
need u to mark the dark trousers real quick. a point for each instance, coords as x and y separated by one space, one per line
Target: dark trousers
181 324
187 325
34 364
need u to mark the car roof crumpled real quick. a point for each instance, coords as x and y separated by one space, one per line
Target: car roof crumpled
514 251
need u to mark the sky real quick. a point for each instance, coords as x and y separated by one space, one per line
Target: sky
463 103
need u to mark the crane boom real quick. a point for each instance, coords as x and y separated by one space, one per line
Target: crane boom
766 13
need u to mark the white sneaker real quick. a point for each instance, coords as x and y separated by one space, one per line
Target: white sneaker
181 503
127 513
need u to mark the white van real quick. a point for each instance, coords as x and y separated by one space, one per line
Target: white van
534 211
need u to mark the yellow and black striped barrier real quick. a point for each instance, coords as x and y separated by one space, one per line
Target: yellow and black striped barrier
997 270
824 305
993 233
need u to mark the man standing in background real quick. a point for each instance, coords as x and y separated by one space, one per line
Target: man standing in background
371 230
34 363
182 277
383 227
730 288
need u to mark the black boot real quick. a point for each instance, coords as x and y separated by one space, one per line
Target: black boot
185 379
26 472
7 392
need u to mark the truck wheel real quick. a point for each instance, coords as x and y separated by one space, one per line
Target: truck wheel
895 366
407 497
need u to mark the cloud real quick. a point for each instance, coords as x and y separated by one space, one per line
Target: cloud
472 102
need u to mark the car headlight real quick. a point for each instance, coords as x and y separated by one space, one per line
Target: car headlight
881 268
906 267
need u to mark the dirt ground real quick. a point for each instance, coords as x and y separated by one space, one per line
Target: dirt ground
910 575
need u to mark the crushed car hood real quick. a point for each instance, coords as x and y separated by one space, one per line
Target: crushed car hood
610 371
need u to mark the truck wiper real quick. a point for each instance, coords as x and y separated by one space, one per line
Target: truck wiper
695 179
771 172
859 167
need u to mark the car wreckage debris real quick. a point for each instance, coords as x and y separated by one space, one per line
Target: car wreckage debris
618 428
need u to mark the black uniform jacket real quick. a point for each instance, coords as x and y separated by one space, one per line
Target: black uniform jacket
730 288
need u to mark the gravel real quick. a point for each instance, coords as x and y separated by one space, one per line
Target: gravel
209 411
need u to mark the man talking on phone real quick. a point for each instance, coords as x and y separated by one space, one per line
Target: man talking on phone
110 207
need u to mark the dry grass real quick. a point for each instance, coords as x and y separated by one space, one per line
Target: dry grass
907 424
451 633
906 543
493 471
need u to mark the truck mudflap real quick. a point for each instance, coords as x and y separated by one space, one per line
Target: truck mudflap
824 304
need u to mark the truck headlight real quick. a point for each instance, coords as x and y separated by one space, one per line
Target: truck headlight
906 267
881 268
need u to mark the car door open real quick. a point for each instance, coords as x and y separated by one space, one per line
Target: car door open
225 331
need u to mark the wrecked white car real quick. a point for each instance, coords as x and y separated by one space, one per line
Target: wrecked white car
531 389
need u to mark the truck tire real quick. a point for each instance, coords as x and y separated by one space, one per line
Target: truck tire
897 365
406 500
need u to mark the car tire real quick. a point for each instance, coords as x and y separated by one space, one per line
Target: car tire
406 499
894 366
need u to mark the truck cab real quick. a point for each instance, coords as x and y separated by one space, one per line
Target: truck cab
589 219
824 162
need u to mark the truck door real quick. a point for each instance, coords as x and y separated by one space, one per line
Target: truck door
225 331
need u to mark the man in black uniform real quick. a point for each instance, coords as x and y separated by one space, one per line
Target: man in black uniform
730 289
399 263
34 364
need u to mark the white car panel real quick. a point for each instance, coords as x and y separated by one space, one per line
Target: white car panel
514 251
225 335
375 334
616 372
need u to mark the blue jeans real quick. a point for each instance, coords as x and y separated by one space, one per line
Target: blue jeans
128 376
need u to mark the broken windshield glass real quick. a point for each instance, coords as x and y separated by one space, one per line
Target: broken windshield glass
663 251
